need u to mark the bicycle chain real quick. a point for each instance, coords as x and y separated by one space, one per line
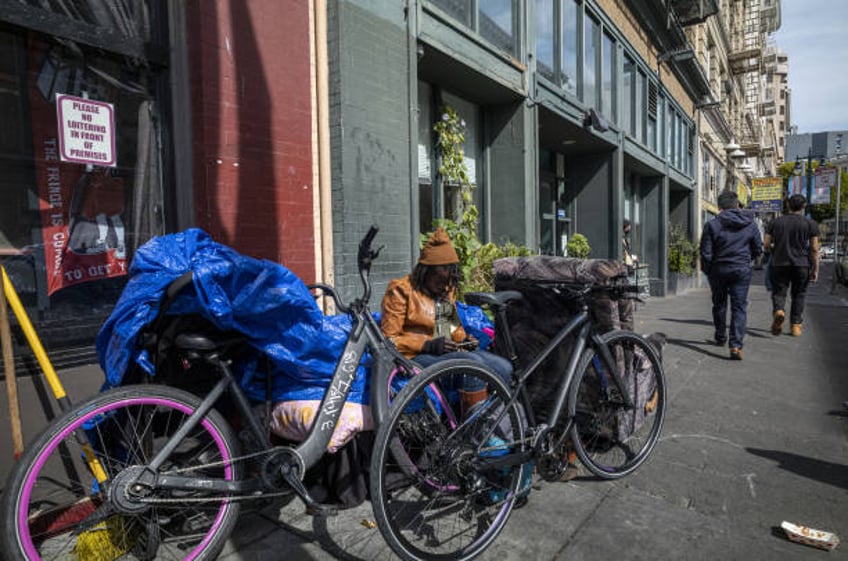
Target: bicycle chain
152 500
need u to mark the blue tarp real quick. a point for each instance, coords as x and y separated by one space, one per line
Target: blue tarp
259 298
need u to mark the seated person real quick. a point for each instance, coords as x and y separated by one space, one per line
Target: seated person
419 315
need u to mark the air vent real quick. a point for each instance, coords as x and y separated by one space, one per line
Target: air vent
652 99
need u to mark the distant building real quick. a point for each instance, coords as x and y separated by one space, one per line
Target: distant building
776 102
816 145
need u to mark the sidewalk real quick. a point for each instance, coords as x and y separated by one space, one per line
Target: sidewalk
745 446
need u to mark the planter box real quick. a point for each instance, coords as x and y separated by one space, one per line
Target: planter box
678 283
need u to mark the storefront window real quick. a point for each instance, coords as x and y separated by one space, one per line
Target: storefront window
437 199
82 185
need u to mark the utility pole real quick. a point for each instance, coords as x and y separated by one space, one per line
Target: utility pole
838 207
808 172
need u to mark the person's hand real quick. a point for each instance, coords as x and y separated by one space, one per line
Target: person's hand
438 346
469 344
814 276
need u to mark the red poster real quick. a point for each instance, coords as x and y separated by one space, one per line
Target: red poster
82 208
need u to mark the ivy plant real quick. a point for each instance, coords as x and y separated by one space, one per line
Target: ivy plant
475 258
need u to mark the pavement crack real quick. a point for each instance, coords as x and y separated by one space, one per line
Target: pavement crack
585 521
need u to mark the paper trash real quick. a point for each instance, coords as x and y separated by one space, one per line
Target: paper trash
809 536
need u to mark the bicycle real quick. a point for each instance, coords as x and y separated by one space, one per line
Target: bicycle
444 481
152 471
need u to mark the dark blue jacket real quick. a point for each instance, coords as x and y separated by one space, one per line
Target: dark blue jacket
730 241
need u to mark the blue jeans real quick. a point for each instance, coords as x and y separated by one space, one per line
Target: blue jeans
733 284
497 364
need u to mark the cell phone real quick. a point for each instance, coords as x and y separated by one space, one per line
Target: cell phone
466 345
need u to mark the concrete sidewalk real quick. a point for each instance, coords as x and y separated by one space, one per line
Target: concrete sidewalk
746 445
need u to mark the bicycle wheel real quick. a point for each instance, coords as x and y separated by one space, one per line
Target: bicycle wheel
60 505
611 439
434 491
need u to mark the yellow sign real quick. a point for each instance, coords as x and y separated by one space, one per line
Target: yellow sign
767 194
742 193
767 189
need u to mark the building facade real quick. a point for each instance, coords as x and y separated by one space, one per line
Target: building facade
208 126
285 128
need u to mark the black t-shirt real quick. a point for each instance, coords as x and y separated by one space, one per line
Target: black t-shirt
791 235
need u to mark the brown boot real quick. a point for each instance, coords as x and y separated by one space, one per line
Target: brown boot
571 470
795 329
467 400
777 324
652 403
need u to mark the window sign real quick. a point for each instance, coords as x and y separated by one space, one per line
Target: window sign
86 131
82 207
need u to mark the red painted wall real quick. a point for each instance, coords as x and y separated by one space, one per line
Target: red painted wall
252 127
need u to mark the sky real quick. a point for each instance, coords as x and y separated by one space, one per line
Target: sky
814 33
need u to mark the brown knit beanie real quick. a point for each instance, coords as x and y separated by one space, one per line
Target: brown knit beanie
438 250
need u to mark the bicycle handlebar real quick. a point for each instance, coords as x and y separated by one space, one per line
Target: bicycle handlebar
365 258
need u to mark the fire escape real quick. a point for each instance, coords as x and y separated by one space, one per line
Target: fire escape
750 63
746 64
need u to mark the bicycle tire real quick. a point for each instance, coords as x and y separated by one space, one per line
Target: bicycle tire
610 440
54 507
430 500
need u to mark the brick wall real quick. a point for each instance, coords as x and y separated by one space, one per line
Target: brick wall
370 139
642 42
252 127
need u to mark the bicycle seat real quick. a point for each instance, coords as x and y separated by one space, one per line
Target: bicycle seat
493 299
203 342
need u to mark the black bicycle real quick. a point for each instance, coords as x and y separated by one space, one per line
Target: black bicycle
444 481
152 471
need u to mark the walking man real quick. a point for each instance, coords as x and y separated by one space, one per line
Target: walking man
793 241
729 243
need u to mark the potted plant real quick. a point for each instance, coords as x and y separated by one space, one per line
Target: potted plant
578 246
682 260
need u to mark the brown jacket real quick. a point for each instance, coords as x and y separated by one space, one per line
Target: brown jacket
409 317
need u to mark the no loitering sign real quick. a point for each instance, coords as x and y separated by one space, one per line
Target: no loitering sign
86 131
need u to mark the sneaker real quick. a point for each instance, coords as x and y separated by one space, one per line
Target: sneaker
795 329
777 324
735 354
719 342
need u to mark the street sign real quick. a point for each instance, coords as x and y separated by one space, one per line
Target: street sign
825 179
766 194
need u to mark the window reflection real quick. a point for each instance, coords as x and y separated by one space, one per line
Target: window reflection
494 20
459 9
608 77
545 37
569 45
496 23
627 95
591 32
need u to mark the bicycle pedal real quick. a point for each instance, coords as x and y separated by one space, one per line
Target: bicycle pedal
322 510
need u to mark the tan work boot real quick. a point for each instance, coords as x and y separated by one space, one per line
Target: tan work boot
467 400
777 324
795 329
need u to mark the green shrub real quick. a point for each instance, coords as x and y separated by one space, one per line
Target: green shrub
682 252
578 246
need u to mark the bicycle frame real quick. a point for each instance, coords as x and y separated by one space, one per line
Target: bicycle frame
365 334
586 336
